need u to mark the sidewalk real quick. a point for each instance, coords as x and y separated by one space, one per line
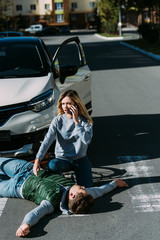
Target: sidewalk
129 33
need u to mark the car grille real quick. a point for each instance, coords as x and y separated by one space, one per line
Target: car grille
8 111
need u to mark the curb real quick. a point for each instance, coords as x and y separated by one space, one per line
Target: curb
109 38
149 54
116 38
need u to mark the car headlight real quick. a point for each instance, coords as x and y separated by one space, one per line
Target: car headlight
42 102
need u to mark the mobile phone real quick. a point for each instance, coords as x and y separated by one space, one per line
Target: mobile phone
69 111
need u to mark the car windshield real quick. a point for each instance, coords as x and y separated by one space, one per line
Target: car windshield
20 60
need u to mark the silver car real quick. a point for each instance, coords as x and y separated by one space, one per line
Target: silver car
31 81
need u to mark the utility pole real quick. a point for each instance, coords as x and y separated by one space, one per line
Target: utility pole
13 13
120 21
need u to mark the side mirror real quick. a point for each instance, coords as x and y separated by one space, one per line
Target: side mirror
63 71
66 71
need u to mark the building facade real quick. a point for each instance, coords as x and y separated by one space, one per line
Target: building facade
60 12
81 13
75 13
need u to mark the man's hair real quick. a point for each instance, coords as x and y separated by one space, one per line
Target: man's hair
81 204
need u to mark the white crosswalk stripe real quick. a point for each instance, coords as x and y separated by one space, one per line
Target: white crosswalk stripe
144 197
2 204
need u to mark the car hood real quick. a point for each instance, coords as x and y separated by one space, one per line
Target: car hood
13 91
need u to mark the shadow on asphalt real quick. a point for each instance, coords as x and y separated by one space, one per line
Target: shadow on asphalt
117 139
105 203
38 229
110 55
107 55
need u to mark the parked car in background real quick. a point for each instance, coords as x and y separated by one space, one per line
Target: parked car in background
34 28
48 31
30 84
65 29
11 34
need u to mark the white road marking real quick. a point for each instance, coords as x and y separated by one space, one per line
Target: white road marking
2 204
73 215
144 197
146 203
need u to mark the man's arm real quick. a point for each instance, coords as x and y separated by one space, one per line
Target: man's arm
97 192
121 183
33 217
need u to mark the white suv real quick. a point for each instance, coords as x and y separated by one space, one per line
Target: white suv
34 28
30 84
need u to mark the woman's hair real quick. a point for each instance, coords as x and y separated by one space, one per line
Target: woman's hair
73 95
80 204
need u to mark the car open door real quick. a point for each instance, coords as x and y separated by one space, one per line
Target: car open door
71 70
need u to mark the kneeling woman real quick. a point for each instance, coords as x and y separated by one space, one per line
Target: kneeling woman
72 129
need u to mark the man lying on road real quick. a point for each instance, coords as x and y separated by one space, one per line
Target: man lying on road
50 191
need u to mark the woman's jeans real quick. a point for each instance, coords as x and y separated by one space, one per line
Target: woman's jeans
81 167
15 172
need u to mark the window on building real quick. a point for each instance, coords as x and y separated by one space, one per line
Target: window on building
74 17
58 6
91 4
18 7
4 8
90 16
59 18
33 7
74 5
47 6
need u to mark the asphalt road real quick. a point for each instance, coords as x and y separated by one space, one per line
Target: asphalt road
126 115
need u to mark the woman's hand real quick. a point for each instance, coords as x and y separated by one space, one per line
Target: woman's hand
23 230
36 166
121 183
74 111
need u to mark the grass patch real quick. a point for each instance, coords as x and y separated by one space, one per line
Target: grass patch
142 44
113 35
108 35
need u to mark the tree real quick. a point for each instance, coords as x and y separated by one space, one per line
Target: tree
108 14
108 10
4 4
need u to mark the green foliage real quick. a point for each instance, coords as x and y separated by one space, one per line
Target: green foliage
108 10
109 27
3 10
108 13
3 7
